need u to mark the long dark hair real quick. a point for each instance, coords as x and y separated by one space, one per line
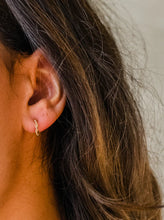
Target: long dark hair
95 153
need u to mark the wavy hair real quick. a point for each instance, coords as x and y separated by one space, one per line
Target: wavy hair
95 153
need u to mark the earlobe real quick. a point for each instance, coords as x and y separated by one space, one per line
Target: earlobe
48 99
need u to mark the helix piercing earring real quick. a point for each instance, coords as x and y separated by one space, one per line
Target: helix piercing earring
36 128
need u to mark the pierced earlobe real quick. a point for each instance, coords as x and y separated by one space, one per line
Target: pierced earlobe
36 128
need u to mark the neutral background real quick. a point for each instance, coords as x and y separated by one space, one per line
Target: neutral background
147 16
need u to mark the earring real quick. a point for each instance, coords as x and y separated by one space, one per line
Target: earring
36 128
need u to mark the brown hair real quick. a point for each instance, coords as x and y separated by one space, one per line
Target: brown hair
95 153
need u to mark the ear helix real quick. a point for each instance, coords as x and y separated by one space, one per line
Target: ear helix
36 128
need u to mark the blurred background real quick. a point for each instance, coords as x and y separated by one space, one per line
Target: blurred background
145 45
149 17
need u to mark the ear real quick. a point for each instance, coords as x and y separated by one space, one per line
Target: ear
45 99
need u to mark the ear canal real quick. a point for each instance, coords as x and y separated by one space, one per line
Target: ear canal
44 89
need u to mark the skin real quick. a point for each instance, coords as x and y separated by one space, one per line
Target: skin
25 191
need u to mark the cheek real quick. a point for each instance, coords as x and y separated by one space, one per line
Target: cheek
9 130
8 109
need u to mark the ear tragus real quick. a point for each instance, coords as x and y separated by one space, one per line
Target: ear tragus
44 89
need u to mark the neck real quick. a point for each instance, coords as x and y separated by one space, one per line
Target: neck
28 193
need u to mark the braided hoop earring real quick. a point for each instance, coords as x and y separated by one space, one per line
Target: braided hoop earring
36 128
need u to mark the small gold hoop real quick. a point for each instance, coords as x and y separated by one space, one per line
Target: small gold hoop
36 128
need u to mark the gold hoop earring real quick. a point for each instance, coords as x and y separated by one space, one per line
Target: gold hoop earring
36 128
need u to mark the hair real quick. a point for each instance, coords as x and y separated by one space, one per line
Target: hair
95 153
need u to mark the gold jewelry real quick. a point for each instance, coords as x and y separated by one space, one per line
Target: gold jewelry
36 128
